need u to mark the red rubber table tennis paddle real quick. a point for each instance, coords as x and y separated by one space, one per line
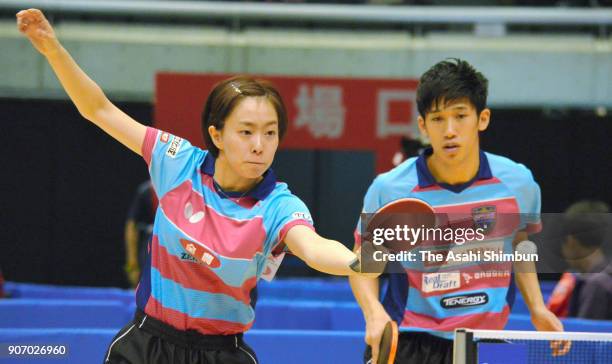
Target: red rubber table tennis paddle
388 344
410 212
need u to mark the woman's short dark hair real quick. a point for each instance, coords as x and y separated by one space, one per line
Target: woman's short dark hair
227 94
449 80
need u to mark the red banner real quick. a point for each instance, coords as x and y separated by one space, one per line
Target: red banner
324 113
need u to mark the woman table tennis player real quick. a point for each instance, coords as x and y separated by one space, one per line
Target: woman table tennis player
221 215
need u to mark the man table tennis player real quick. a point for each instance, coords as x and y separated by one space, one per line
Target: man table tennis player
453 176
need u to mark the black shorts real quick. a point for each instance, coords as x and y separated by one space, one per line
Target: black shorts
148 341
419 348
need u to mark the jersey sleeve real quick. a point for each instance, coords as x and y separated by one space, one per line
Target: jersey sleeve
371 203
171 159
530 204
290 212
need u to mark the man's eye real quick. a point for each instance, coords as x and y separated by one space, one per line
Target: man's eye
271 133
245 132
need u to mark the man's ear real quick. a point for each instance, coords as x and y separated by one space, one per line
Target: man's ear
421 124
483 119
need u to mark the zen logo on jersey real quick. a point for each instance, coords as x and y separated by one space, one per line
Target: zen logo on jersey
466 300
440 281
174 147
200 254
189 258
302 216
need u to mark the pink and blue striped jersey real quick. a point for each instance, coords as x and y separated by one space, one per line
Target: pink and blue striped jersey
238 234
435 298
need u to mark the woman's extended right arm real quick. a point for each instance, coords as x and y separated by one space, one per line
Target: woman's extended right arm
85 93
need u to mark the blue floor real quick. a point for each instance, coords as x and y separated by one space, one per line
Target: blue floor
298 321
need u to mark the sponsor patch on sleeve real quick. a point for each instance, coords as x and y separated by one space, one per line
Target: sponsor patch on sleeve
302 216
174 147
164 137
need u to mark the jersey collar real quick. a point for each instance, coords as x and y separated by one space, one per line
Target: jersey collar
260 192
426 179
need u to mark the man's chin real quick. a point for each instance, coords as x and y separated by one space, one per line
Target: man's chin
451 158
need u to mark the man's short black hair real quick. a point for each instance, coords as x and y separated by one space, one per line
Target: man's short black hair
449 80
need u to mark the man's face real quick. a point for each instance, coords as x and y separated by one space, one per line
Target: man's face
452 128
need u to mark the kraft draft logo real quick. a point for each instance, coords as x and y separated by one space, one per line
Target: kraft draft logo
484 218
433 282
466 300
200 254
174 147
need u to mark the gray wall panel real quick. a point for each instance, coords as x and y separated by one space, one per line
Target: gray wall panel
524 70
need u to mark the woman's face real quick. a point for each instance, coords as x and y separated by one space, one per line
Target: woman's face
249 138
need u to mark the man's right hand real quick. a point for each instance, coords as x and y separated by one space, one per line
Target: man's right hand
33 24
375 325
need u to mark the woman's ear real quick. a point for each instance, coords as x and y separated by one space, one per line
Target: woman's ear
215 135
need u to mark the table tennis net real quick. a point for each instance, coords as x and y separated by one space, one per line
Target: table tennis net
531 347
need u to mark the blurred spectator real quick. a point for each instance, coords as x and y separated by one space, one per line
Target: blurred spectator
138 229
587 291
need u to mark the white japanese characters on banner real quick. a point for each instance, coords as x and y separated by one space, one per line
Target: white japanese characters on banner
324 113
384 125
321 108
